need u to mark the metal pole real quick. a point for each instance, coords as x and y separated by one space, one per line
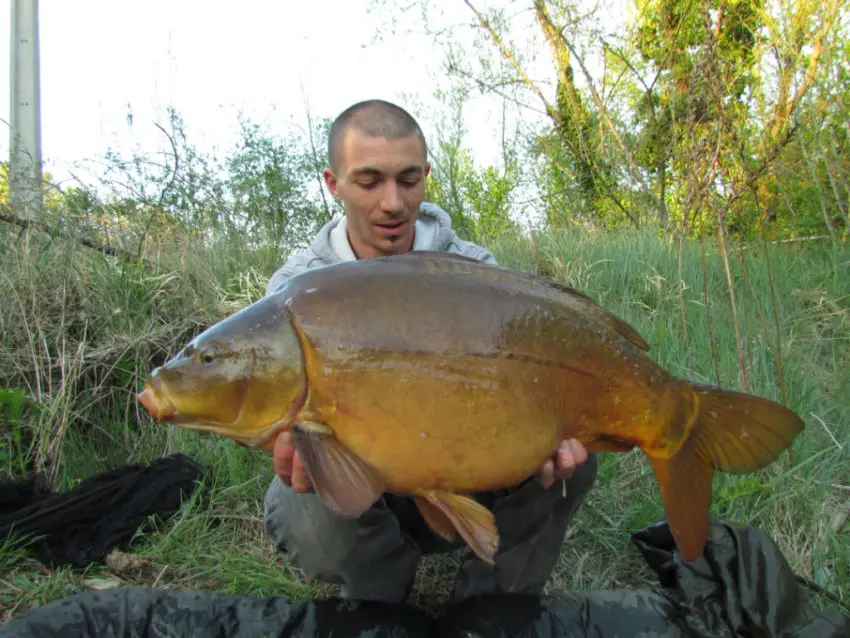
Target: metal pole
25 172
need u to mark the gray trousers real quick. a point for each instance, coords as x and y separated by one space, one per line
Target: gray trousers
375 556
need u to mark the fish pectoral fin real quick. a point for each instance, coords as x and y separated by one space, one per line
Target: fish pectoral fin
474 522
435 518
345 483
685 482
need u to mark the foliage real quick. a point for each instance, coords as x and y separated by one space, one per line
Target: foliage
680 117
695 181
480 200
139 201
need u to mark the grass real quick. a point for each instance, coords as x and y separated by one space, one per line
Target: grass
81 331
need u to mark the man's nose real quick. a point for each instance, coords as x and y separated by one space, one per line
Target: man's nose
391 200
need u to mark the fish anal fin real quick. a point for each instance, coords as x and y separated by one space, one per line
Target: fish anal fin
345 483
435 518
685 482
474 522
739 432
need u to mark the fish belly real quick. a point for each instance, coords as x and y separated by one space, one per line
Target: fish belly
457 424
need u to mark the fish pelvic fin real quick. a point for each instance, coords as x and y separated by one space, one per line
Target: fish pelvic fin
347 485
474 522
435 518
734 432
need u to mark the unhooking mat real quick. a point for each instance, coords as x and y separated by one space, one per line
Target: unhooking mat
741 587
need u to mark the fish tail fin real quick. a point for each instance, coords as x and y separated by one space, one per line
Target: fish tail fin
734 432
741 432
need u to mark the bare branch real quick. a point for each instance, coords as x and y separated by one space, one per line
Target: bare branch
485 23
315 156
635 171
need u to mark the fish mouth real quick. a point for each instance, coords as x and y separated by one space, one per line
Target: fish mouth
156 403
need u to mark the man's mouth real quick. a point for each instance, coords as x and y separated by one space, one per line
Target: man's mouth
391 228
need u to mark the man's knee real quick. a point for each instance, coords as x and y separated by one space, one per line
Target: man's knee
306 533
532 521
370 555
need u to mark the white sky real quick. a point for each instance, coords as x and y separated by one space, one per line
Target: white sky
209 59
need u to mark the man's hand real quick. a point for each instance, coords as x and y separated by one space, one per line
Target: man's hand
288 466
569 455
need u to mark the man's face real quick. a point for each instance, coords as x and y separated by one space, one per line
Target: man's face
381 183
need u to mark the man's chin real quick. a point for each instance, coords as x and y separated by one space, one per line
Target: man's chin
395 238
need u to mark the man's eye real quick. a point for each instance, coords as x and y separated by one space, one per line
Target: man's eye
409 184
368 184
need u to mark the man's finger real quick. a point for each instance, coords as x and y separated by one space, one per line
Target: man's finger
300 481
570 454
546 474
282 455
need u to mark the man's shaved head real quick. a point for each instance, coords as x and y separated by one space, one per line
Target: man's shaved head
374 118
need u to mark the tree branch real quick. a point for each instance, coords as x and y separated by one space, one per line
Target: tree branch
485 23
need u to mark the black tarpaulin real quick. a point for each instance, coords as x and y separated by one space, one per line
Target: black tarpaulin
82 525
741 587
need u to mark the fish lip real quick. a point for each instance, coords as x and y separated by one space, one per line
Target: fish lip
155 402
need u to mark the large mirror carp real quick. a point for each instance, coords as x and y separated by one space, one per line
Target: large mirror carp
435 376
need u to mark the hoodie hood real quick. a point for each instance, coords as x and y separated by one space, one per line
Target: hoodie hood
330 245
433 232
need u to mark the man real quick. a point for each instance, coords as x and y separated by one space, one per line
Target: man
378 167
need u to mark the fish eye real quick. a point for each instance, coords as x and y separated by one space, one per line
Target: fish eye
209 354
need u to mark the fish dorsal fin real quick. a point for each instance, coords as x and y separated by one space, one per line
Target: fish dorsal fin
345 483
439 254
616 324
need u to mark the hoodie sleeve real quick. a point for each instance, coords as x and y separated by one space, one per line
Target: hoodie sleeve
446 239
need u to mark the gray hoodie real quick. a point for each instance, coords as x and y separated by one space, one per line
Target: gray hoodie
330 245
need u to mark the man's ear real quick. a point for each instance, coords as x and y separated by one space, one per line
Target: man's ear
331 181
427 168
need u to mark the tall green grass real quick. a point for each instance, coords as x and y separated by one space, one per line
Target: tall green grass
802 499
80 331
